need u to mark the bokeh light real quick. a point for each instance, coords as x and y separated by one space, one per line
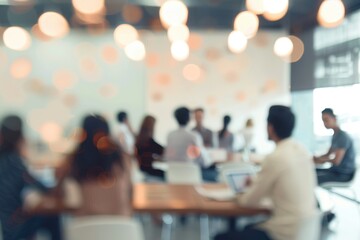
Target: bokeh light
53 25
237 42
178 33
152 59
50 132
125 34
132 13
64 79
331 13
135 51
17 38
298 49
109 54
89 6
173 12
20 68
162 79
255 6
192 72
180 50
274 16
247 23
195 41
283 47
276 6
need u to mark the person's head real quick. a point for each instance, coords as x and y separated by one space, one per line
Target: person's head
11 134
281 122
146 129
226 122
122 117
329 118
249 123
199 116
182 116
96 153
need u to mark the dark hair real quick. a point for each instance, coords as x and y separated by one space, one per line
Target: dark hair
122 116
198 110
329 112
182 116
10 134
282 119
226 121
146 130
97 153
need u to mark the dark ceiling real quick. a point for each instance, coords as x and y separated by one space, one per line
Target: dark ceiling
203 14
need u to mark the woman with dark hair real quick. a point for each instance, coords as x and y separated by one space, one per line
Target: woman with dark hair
102 172
16 184
226 138
147 149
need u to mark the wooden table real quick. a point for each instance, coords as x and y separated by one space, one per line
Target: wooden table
183 199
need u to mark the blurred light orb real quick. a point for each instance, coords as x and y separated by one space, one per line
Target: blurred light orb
247 23
331 13
20 68
16 38
125 34
173 12
178 33
237 42
298 50
50 132
276 6
135 51
274 16
192 72
53 25
283 47
89 6
180 50
255 6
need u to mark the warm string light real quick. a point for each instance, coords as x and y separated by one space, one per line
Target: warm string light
17 38
53 25
237 42
331 13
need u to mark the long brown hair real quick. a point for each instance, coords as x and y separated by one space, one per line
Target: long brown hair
147 130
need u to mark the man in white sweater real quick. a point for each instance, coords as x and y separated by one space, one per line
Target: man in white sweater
287 178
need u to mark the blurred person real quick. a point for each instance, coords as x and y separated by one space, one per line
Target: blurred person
102 171
226 138
248 134
125 134
206 134
18 189
184 145
287 178
341 153
148 150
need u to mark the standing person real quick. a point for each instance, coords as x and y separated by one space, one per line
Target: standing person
248 133
206 134
226 138
341 153
16 184
102 171
148 150
125 134
287 177
184 145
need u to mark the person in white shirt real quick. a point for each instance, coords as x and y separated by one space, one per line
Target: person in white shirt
184 145
287 178
125 135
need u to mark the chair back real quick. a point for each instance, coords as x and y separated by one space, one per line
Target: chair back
183 173
329 185
309 228
104 227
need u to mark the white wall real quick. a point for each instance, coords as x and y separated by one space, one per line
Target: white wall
243 85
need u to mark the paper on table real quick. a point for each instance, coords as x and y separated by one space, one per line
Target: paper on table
223 194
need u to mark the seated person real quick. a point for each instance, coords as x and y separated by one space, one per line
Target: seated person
102 171
15 186
147 149
341 153
287 178
184 145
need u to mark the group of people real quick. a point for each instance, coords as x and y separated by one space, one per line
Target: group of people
100 171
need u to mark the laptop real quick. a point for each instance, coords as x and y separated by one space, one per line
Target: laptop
236 179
